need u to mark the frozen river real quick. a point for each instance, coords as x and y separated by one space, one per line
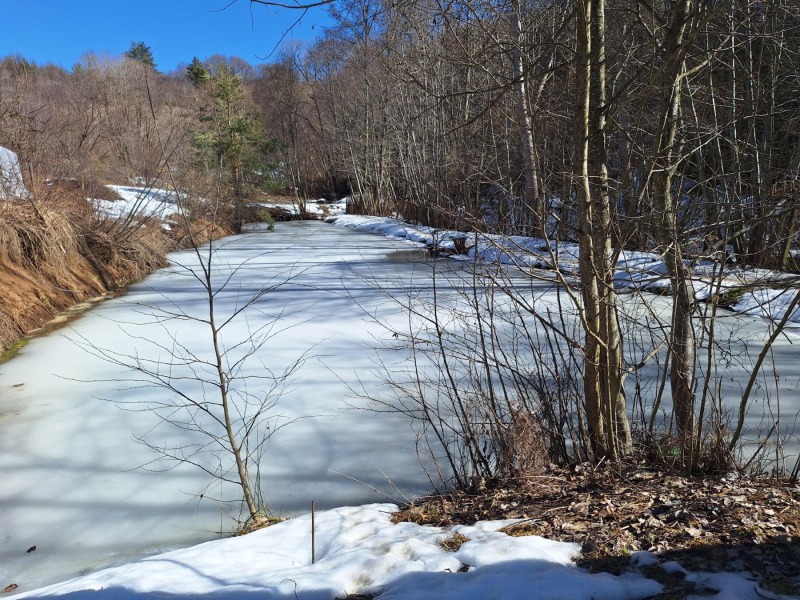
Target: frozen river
70 465
69 459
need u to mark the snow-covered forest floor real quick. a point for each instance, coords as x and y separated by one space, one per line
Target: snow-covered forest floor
366 552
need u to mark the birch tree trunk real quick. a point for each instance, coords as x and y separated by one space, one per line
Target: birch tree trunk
537 216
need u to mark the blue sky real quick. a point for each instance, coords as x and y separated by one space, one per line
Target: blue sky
61 31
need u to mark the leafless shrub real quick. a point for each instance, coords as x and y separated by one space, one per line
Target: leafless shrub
526 451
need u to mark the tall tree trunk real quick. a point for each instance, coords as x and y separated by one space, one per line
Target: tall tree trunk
665 160
535 215
607 419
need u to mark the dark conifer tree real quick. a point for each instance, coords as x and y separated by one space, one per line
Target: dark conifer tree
196 73
139 51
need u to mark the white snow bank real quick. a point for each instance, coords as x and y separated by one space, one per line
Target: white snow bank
634 270
769 303
162 204
359 550
11 183
141 201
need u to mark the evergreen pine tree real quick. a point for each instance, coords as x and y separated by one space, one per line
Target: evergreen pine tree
233 133
196 73
139 51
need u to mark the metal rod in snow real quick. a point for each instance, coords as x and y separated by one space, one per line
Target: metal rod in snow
313 540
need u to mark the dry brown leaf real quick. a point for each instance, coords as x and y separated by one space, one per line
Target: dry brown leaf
694 531
654 523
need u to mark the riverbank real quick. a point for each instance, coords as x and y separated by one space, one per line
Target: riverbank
52 260
620 514
60 320
58 256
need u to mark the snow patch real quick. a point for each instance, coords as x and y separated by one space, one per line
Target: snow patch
360 551
11 183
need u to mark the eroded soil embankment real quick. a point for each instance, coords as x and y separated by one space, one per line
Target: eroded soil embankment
30 299
38 282
51 260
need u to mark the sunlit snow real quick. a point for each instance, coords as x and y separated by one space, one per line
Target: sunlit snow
69 462
636 270
143 202
359 551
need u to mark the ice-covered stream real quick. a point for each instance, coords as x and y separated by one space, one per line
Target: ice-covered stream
69 461
72 486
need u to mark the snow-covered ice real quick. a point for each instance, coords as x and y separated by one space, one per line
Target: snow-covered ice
68 458
72 487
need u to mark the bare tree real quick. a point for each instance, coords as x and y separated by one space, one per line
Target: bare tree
211 392
668 128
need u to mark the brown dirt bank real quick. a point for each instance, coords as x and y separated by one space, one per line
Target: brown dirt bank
52 259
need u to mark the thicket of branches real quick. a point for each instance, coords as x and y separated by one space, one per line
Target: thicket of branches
440 109
618 125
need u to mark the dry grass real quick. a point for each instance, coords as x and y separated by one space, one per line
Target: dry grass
34 238
198 232
55 252
525 452
120 256
454 542
261 522
41 268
